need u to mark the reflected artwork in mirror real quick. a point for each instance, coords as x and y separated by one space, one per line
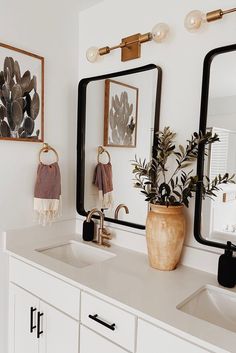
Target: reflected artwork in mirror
215 218
118 115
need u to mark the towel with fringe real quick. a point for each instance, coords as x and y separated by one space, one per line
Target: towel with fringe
103 180
47 193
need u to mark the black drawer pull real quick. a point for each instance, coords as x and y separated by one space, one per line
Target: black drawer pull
95 318
32 326
39 331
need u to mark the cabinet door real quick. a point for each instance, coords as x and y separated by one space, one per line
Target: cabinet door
92 342
60 333
22 321
152 339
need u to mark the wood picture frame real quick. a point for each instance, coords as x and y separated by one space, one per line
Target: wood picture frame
120 114
21 95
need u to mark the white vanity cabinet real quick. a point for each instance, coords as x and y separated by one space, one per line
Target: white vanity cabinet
43 312
91 342
49 315
153 339
109 321
22 317
36 327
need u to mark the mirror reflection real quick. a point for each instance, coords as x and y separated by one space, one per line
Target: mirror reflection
121 116
219 213
121 120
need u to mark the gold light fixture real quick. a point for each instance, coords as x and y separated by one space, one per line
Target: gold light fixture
196 18
131 46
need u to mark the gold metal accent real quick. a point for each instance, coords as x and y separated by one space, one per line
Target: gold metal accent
146 37
214 15
225 12
224 197
218 14
131 48
104 51
122 205
229 196
103 235
102 150
121 45
46 148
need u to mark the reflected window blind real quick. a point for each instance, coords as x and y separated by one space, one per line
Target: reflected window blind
219 153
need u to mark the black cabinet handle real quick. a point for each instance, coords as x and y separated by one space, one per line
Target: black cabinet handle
95 318
39 331
32 326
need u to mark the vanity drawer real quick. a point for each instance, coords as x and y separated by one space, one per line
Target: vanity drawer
92 342
108 320
153 339
48 288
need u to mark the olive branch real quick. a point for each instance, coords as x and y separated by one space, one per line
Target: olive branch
159 188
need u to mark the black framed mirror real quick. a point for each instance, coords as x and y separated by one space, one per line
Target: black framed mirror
214 220
97 99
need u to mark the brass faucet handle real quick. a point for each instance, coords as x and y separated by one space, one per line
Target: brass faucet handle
103 235
106 236
105 231
106 243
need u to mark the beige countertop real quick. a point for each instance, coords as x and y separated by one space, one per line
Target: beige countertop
128 281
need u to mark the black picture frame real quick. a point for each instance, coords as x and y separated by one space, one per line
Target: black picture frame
201 152
81 126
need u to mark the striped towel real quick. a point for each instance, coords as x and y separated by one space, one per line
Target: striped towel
47 193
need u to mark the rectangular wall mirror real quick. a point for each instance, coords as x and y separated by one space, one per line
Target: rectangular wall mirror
215 221
120 113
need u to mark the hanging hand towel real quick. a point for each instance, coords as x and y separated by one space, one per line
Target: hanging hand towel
103 180
47 192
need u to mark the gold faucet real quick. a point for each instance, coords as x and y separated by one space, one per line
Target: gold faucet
103 235
118 209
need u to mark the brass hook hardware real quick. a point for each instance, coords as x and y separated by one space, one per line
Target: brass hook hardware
46 148
102 150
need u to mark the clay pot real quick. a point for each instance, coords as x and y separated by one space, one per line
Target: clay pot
165 233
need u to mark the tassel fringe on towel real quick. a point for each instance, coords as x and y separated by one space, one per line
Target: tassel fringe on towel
47 193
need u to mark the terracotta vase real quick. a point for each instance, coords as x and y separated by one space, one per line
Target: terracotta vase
165 233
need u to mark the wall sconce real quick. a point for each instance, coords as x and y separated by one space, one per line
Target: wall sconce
196 18
131 46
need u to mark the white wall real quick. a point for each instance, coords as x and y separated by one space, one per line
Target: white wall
181 57
50 29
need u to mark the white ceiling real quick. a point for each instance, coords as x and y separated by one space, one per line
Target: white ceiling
84 4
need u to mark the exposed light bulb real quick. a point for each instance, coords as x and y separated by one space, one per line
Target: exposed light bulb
194 20
160 32
92 54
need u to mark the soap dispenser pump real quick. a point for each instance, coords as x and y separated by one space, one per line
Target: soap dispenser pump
227 268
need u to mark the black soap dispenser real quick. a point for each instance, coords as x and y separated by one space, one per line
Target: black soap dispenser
227 268
88 230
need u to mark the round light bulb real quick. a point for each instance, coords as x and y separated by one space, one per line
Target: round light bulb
92 54
194 20
160 32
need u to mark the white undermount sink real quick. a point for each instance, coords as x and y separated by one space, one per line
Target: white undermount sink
76 254
212 304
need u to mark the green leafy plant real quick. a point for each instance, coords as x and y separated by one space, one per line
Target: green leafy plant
176 186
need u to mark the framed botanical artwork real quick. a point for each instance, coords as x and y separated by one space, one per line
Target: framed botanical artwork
21 95
121 113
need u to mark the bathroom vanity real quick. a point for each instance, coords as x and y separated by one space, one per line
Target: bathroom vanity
107 301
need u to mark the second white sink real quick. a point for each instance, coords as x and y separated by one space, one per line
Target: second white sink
77 254
212 304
